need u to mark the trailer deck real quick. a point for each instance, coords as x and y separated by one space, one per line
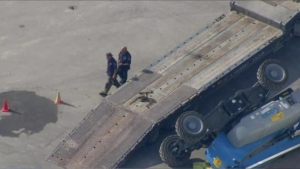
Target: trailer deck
106 136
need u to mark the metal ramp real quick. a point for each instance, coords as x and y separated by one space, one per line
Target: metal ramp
106 135
110 132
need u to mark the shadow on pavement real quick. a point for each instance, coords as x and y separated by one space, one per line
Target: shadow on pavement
14 112
67 104
189 164
29 113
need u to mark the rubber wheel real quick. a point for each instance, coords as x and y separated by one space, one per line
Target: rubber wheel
166 155
153 136
272 75
190 126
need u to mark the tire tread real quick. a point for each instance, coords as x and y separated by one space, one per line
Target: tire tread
263 79
171 160
180 132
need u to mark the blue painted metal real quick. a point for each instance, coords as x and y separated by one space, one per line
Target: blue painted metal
227 153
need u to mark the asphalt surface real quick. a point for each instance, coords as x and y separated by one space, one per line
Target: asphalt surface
50 46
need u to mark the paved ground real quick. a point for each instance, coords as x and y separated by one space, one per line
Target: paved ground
53 45
47 46
148 157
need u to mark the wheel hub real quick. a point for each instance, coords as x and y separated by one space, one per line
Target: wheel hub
173 148
192 124
176 151
275 73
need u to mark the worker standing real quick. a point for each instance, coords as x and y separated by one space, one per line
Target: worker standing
111 71
124 62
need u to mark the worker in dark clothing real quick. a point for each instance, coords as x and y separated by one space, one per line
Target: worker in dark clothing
124 62
111 73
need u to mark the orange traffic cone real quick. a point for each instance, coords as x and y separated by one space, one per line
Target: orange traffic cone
58 100
5 107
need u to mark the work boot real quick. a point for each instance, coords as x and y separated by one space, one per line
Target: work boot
103 94
121 82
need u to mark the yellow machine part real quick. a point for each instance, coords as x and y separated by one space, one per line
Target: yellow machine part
201 165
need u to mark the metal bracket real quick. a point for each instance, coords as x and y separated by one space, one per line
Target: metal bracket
145 98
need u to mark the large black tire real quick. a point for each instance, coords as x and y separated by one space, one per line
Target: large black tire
190 126
166 155
272 75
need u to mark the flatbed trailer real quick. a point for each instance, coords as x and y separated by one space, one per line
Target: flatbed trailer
202 63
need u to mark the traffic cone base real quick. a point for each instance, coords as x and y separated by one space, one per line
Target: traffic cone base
5 107
58 100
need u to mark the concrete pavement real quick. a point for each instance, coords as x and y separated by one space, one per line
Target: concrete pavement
60 45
